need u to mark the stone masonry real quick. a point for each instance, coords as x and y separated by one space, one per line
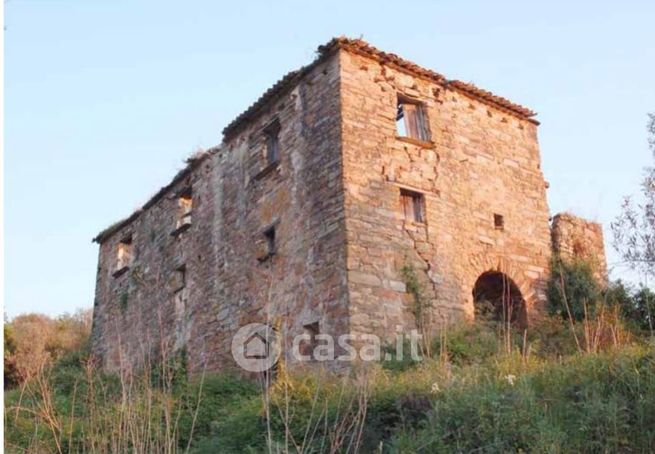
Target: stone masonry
575 238
313 208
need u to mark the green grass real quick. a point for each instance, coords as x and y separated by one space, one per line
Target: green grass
554 400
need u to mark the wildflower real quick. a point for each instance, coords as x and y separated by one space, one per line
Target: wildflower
435 388
510 379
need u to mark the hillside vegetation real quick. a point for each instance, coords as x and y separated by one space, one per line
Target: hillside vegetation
583 380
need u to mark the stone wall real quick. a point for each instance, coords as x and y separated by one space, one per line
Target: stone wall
343 247
140 309
480 161
236 196
575 238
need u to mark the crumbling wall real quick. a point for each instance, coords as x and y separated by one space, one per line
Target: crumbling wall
145 313
302 196
342 241
575 238
480 161
236 195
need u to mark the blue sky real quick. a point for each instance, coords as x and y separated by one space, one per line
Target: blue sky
104 100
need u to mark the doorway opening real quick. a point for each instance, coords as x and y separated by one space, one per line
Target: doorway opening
496 296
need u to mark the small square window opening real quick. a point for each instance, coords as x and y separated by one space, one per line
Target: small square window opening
499 222
413 204
411 120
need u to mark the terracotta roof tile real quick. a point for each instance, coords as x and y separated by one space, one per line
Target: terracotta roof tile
287 82
361 47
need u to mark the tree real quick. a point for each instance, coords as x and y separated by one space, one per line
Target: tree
572 290
33 341
634 228
637 305
10 372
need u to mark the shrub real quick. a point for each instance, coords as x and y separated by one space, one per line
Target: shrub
642 309
572 289
637 306
484 398
209 400
11 375
36 341
468 343
589 403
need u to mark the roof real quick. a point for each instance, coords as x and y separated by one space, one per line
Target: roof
288 82
363 48
191 163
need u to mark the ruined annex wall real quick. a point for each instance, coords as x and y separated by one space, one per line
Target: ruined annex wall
575 238
146 313
236 197
482 161
302 197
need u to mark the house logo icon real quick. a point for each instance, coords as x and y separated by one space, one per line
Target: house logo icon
255 347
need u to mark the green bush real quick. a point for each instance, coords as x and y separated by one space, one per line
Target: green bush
637 306
211 399
469 343
11 375
572 288
547 397
591 403
553 338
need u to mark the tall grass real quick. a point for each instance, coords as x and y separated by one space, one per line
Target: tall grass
555 399
575 383
74 407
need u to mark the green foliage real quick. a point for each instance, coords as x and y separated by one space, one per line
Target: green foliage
419 303
11 376
642 309
468 343
572 284
592 403
587 403
634 228
170 371
212 400
551 398
637 305
396 363
553 338
34 341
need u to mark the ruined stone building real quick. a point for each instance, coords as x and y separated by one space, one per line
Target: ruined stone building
346 179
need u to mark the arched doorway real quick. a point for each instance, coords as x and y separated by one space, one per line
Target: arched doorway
496 296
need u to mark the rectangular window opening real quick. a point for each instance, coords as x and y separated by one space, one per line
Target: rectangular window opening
411 120
266 243
269 235
179 278
499 222
184 207
124 254
308 347
413 204
272 133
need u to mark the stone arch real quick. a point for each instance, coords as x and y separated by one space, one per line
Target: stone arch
496 295
485 263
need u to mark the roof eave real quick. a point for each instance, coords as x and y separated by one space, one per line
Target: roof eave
191 164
